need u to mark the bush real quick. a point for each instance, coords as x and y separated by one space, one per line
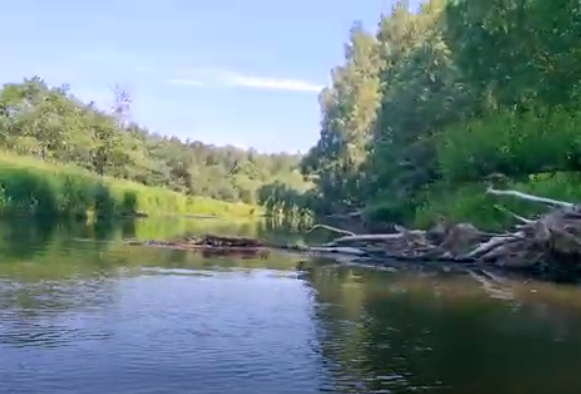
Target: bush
511 143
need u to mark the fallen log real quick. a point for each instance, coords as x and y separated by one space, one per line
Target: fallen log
530 197
356 214
331 228
212 245
549 242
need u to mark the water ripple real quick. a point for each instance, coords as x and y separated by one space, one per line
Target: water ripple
81 319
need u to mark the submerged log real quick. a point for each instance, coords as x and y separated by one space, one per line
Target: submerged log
213 245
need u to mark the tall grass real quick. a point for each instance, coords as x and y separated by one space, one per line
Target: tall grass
31 187
470 202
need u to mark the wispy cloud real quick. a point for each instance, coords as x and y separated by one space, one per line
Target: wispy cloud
199 76
233 79
248 81
185 82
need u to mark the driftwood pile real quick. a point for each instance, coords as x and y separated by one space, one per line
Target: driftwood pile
549 243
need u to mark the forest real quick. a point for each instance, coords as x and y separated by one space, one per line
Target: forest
440 102
52 125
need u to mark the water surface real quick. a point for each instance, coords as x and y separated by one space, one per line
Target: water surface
98 317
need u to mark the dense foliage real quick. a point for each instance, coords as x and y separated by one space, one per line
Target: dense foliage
53 125
422 112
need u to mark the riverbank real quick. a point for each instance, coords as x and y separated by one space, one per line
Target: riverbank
471 203
31 187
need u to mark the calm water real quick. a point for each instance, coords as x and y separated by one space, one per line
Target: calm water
94 317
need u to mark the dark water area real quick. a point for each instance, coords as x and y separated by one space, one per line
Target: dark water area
103 317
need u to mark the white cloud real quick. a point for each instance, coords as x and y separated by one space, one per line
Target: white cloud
232 79
292 85
197 76
185 82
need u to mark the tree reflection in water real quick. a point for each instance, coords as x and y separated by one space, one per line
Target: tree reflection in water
399 332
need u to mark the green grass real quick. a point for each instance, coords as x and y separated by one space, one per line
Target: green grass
470 202
510 142
31 187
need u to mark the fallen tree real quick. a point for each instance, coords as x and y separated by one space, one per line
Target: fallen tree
548 243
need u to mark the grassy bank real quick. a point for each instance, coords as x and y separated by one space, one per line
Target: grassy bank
36 188
471 203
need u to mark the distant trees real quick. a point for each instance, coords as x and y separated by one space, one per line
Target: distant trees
52 124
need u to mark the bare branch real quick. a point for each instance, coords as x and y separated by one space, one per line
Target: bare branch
512 214
530 197
331 228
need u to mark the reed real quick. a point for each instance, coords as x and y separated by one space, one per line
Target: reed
31 187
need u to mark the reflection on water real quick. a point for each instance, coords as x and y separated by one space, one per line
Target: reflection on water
93 317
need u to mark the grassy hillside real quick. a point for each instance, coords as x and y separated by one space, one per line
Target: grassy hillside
38 188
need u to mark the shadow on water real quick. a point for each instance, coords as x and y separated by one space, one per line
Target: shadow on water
29 239
398 333
23 237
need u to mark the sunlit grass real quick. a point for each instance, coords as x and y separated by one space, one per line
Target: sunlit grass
470 202
32 187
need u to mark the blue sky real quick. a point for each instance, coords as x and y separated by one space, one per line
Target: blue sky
245 73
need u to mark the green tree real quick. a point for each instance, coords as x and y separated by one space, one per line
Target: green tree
349 108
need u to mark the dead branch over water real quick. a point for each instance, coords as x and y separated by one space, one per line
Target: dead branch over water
549 243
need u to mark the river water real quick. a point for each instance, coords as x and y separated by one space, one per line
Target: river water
100 317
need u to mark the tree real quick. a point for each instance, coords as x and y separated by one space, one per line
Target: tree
121 106
349 107
445 96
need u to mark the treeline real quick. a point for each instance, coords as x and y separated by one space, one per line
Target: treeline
52 124
440 100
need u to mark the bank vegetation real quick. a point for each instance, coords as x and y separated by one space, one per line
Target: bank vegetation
62 156
439 103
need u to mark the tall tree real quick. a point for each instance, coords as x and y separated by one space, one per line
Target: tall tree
349 108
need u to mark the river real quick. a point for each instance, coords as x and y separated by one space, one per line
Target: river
86 317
